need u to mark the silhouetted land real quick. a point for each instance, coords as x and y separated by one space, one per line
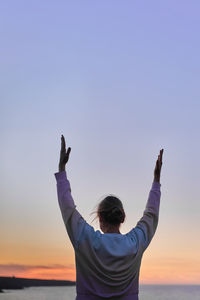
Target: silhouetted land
20 283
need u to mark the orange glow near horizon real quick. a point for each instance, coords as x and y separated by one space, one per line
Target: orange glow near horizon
160 264
150 274
57 272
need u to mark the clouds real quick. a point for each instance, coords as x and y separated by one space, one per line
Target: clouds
54 271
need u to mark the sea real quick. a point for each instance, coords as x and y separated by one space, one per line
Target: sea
147 292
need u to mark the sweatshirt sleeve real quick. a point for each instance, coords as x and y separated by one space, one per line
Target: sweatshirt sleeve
146 227
73 220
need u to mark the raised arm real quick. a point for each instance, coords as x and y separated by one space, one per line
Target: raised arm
73 220
147 225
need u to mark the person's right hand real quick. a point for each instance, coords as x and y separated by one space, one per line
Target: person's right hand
64 155
158 166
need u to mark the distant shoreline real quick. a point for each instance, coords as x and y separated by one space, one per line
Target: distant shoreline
15 283
9 283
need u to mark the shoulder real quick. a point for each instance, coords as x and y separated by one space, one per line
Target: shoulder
88 233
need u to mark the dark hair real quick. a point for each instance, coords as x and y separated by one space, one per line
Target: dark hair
111 210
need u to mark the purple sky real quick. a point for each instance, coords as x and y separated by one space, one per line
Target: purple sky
120 80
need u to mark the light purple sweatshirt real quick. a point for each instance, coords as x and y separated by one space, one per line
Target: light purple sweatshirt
107 265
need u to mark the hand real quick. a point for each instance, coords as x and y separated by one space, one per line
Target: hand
158 166
64 156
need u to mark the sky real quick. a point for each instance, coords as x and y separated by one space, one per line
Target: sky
120 80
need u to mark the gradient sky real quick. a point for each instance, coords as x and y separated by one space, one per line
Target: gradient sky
120 80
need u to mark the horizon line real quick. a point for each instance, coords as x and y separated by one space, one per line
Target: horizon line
175 284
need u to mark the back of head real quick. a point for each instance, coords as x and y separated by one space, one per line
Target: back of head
111 211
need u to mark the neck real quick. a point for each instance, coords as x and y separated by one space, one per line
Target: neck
111 230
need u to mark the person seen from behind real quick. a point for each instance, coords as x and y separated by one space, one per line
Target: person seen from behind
108 263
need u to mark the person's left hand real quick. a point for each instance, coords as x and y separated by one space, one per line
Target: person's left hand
158 166
64 156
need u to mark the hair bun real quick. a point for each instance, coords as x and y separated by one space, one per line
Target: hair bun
115 209
115 215
111 210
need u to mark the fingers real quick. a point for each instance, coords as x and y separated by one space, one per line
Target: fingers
161 154
159 160
157 164
64 156
68 151
63 145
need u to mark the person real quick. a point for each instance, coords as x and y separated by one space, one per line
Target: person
108 263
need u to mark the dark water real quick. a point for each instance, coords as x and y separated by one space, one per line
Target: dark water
147 292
